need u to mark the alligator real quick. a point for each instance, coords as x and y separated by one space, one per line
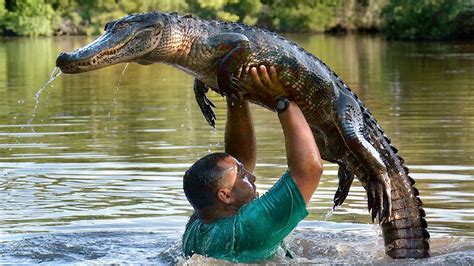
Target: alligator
219 56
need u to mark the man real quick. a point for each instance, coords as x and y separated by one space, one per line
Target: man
230 221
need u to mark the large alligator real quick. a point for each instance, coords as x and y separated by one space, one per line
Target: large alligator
219 55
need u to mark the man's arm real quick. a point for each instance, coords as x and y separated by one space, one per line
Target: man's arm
304 160
239 133
261 225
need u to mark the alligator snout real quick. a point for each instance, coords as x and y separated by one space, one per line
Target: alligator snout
71 63
63 59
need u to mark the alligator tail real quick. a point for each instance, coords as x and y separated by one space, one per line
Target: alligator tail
405 234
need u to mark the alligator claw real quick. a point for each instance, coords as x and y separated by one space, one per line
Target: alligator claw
345 181
236 90
200 90
379 197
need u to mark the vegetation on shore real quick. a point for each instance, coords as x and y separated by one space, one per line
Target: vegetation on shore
398 19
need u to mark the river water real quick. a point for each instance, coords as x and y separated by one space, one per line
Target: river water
96 175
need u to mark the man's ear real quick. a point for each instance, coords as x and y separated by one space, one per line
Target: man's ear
225 195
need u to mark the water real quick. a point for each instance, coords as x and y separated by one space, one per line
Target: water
117 88
73 192
54 74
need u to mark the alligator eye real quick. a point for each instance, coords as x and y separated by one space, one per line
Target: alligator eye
107 26
122 25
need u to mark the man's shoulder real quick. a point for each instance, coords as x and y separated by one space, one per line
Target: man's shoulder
283 188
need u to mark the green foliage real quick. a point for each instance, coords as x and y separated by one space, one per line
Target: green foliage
215 9
30 18
293 15
421 19
2 10
404 19
89 16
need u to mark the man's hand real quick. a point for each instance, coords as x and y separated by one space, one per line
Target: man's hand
268 88
304 161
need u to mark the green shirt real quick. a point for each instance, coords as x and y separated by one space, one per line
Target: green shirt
255 232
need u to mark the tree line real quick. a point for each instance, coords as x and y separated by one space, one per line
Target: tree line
397 19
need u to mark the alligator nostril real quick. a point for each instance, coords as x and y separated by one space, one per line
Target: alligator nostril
62 59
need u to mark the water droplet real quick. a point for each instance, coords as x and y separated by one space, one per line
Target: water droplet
377 228
117 88
328 214
54 74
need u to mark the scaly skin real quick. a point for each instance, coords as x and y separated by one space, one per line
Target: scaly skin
219 56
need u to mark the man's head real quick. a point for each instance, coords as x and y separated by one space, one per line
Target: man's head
218 181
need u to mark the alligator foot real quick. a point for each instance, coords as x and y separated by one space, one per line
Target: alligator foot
379 197
235 48
200 90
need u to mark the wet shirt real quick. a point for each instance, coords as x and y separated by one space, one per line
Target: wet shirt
255 232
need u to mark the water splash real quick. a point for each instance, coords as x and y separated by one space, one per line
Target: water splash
117 88
54 74
377 228
328 214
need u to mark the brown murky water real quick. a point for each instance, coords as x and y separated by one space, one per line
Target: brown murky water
97 174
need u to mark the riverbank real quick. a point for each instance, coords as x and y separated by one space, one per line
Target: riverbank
397 19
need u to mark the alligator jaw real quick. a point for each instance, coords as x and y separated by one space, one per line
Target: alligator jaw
69 65
125 40
87 59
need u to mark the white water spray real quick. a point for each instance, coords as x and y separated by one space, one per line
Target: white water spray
54 74
117 88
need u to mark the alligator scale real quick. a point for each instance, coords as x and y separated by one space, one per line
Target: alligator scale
219 55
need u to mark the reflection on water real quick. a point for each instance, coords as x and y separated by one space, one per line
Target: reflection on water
99 161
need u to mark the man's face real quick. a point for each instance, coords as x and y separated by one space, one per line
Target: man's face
239 180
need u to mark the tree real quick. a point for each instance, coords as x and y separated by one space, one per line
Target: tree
30 18
300 16
2 10
421 19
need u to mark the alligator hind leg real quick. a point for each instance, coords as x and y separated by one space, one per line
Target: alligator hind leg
378 184
235 48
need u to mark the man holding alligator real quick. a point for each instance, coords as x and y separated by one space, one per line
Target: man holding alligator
230 221
215 53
